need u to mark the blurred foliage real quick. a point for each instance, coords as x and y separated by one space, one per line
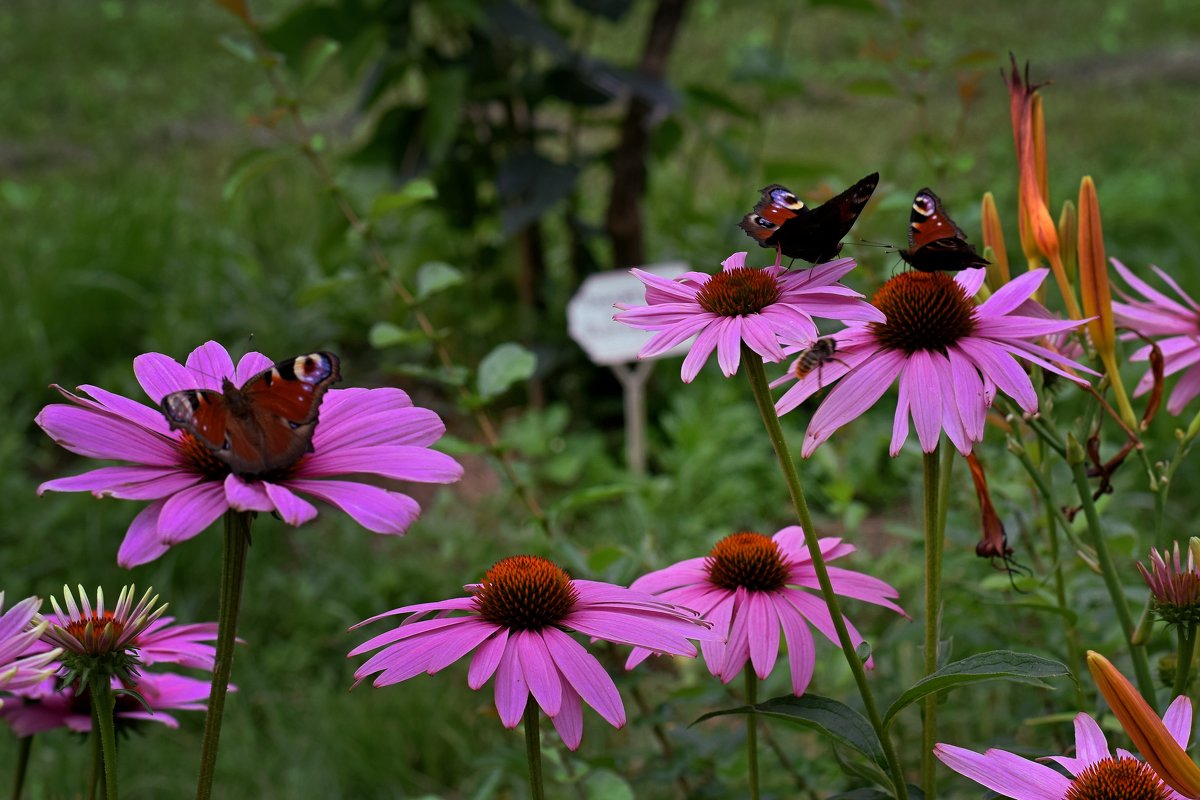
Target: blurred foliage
152 197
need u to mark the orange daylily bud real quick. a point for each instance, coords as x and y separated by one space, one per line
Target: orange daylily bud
1068 238
1149 735
993 238
1037 129
1097 298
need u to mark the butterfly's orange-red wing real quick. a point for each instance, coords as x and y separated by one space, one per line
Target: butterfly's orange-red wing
200 412
292 389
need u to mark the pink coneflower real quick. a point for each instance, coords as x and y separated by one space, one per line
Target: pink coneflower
1159 315
747 587
52 705
22 663
96 631
360 431
1095 771
516 620
1174 586
740 305
949 353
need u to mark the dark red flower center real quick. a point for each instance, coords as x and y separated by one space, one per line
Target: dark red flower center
924 310
747 560
738 292
525 593
76 627
1117 779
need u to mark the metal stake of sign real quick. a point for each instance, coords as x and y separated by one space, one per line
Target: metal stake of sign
611 344
633 379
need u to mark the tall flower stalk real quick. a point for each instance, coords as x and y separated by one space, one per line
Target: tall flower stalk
761 390
933 615
233 575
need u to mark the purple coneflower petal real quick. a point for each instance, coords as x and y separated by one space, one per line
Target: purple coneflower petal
585 675
292 509
624 628
160 375
249 365
1010 775
94 435
684 572
763 626
210 362
243 496
377 510
106 479
142 543
853 395
802 651
539 671
398 462
487 658
456 642
1178 720
190 511
137 413
1011 295
569 720
1005 371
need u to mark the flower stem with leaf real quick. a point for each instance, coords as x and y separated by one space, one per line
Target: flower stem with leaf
752 730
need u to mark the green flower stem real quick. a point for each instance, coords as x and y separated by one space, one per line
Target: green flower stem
1183 662
24 748
233 573
1141 665
97 771
102 708
533 751
1070 634
766 408
752 729
934 546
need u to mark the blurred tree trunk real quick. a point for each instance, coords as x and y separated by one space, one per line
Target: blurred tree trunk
624 217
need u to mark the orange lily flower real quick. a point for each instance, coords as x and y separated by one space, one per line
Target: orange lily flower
1149 735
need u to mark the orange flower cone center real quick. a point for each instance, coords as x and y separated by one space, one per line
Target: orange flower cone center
525 593
201 459
1117 779
77 627
749 561
738 292
924 310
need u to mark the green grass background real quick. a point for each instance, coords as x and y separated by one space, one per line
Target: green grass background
120 122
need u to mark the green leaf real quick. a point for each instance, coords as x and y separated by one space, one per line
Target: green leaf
317 59
240 48
603 784
248 167
604 557
388 334
862 6
436 276
507 364
444 102
994 665
413 192
839 722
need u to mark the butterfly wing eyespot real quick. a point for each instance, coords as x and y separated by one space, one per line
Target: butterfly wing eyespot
265 426
199 412
809 234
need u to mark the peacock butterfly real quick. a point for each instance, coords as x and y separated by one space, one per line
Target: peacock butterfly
782 221
266 425
935 243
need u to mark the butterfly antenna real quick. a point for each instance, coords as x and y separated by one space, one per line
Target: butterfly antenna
869 243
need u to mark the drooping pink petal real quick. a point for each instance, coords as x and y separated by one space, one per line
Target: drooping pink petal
150 418
142 544
763 627
1005 371
190 511
292 509
377 510
539 671
246 496
1178 719
802 654
487 658
853 395
569 721
106 479
586 676
512 693
684 572
1011 295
